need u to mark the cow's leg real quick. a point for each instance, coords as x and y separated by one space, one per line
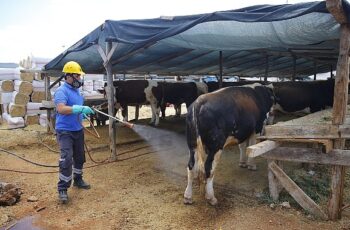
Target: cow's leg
92 118
153 109
177 110
242 156
251 163
192 173
125 112
137 112
155 113
162 108
156 123
209 189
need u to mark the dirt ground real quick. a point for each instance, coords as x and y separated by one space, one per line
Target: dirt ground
143 189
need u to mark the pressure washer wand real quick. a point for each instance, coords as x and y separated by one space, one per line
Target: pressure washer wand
127 124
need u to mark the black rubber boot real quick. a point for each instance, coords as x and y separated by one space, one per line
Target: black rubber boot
80 183
63 196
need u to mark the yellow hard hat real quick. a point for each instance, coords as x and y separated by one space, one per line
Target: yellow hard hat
72 67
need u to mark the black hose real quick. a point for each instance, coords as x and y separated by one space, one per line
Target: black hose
29 161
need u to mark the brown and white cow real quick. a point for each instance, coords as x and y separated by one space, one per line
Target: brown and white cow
228 116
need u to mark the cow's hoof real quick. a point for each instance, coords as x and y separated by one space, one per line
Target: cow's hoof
252 167
243 165
188 200
213 201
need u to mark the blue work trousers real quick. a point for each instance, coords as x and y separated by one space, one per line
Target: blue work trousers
72 157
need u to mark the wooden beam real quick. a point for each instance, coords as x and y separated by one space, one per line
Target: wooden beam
327 143
305 131
303 200
309 155
294 67
339 104
220 69
336 9
261 148
266 68
110 97
342 78
315 70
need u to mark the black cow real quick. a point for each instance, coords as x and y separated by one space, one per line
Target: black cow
177 93
155 93
131 92
310 96
134 92
231 115
100 118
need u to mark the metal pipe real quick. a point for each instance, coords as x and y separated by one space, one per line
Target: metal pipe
127 124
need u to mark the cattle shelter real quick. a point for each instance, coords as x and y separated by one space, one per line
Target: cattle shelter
289 40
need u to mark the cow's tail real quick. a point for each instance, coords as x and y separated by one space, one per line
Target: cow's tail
200 151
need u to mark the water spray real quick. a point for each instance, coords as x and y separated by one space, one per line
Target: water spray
127 124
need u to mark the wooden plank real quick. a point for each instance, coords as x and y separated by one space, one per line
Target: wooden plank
275 186
302 131
261 148
278 132
303 200
309 155
327 143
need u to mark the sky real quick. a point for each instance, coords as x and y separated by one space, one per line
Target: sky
45 28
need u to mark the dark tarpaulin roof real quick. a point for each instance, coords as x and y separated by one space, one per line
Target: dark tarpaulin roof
304 34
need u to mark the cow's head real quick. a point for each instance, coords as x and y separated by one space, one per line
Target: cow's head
105 89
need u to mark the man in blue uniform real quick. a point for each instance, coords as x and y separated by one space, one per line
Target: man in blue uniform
69 129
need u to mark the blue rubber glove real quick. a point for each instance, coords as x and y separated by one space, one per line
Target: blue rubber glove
86 110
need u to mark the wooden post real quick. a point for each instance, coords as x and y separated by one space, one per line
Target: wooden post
339 104
294 68
339 112
315 70
275 186
220 65
110 97
50 120
266 68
